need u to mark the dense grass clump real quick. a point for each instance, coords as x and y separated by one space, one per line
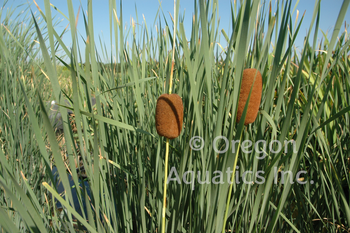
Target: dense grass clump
290 166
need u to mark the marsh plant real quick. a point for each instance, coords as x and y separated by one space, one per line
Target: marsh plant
305 99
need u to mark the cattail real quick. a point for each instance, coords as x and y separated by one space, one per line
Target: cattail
255 97
169 115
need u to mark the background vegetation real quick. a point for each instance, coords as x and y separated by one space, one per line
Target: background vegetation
305 98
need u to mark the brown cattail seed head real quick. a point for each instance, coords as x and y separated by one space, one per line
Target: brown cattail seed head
255 97
169 115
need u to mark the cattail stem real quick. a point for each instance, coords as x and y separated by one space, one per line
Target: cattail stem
167 140
171 74
251 81
173 55
231 185
165 183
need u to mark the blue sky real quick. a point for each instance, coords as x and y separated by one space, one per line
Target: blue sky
148 8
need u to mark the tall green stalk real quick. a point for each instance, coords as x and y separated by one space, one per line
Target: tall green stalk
167 140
